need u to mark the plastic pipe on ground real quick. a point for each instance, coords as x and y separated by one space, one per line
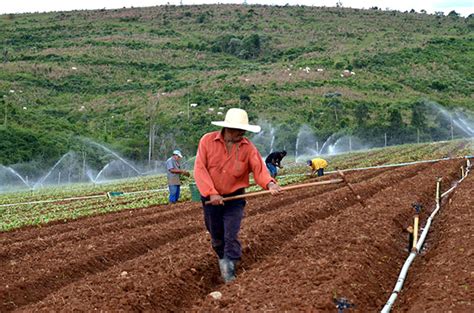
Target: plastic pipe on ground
401 278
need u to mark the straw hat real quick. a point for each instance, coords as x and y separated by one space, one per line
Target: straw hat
237 118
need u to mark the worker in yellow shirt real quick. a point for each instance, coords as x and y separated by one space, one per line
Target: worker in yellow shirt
317 166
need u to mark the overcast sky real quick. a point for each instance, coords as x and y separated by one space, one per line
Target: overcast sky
464 7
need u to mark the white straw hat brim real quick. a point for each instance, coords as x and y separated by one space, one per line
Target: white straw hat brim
248 127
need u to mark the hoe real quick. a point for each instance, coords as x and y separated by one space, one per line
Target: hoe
196 196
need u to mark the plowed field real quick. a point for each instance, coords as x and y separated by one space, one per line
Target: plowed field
300 251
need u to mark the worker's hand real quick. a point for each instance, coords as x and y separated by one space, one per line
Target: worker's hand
186 173
274 188
216 200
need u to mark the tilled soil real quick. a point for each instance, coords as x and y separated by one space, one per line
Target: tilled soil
302 250
442 279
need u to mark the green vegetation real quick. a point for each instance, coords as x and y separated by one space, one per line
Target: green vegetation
110 74
150 191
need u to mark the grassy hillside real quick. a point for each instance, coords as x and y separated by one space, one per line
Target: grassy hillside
110 75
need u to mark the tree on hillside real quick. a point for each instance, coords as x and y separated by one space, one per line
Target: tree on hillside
361 113
453 14
418 119
396 126
334 104
418 112
252 45
5 55
246 48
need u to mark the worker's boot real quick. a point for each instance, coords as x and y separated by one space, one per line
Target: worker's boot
227 268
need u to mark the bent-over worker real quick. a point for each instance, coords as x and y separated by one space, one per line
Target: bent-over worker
273 161
317 165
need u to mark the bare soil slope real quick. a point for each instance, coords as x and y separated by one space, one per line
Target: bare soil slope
301 250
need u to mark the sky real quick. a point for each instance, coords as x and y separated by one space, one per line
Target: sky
463 7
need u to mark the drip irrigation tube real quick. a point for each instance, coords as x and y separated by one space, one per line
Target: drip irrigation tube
419 245
386 165
104 195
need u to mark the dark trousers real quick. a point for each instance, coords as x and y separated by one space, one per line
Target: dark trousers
321 172
223 223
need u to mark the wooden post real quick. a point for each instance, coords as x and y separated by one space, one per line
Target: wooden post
415 231
438 189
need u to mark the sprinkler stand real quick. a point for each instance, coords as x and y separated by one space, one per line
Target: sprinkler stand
416 221
342 303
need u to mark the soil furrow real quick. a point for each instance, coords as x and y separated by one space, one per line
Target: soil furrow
140 218
209 265
342 255
432 285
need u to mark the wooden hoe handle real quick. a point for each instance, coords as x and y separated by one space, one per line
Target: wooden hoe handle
266 192
351 188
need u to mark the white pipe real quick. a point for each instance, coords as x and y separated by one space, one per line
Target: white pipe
388 165
54 200
84 197
184 187
438 189
411 257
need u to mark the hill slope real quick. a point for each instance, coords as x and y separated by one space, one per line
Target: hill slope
117 76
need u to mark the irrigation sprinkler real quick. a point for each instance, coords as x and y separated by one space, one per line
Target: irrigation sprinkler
342 304
349 185
416 221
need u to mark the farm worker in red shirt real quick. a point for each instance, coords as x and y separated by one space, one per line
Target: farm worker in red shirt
223 163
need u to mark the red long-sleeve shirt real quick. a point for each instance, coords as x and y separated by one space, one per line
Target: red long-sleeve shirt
219 172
